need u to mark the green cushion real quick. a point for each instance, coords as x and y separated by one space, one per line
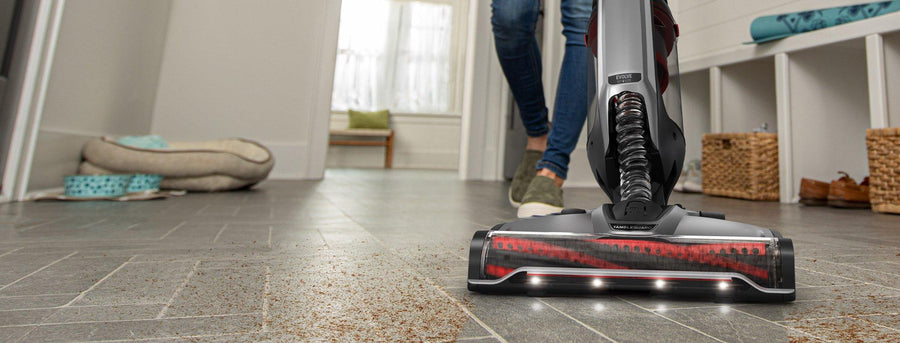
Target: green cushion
368 120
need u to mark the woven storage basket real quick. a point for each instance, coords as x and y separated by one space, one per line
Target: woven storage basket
884 167
741 165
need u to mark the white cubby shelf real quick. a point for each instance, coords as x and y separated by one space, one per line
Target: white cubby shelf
820 90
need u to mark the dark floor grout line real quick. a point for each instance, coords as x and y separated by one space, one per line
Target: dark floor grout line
578 321
173 230
162 312
39 270
672 320
11 251
216 239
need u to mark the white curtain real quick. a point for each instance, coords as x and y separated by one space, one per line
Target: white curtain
395 54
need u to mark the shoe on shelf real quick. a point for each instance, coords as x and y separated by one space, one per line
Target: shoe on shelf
524 174
542 198
691 180
846 193
814 192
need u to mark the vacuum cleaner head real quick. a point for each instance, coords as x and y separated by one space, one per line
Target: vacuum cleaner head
567 253
636 150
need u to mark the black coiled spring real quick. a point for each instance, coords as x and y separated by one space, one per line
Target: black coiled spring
634 168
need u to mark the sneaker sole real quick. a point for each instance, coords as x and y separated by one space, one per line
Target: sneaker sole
511 201
532 209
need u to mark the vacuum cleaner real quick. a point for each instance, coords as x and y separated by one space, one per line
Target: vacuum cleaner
636 149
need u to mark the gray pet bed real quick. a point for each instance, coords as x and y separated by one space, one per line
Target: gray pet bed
194 166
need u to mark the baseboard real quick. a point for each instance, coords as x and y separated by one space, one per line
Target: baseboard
33 194
368 157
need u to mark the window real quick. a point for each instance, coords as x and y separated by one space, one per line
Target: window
397 54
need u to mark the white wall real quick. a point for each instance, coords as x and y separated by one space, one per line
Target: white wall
259 70
709 26
420 142
103 80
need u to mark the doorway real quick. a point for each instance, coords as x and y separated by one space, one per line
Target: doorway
405 57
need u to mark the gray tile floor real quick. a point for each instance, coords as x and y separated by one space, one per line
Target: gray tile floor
379 255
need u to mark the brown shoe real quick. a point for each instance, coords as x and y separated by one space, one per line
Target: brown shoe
813 192
845 193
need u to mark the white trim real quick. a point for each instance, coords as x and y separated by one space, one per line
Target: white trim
43 192
715 100
36 109
30 103
552 51
878 97
505 112
785 127
465 133
320 120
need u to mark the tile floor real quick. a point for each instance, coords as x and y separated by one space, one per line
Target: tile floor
379 255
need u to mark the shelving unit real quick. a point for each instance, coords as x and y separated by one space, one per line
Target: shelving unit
821 90
695 100
748 96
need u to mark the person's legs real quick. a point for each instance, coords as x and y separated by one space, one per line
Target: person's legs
571 94
514 23
544 195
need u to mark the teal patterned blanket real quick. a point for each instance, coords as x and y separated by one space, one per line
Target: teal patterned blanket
774 27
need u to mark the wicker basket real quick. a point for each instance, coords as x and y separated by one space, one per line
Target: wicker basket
741 165
884 167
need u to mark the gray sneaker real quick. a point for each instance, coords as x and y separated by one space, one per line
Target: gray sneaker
524 174
542 198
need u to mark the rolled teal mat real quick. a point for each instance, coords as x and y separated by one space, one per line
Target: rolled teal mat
774 27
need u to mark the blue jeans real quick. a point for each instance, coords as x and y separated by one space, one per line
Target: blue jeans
514 23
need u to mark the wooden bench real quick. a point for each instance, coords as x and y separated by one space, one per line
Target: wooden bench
388 142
